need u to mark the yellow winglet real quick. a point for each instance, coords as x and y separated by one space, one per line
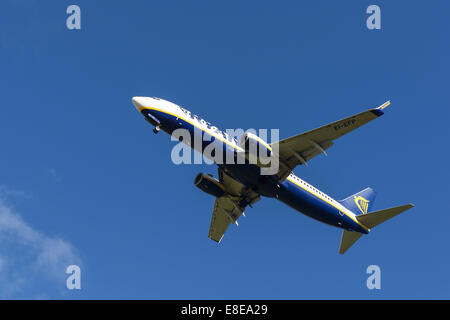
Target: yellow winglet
384 105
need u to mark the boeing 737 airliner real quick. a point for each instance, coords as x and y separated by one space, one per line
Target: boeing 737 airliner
241 184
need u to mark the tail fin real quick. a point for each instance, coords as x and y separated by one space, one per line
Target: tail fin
360 202
370 220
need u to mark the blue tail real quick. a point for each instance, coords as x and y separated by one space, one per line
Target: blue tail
361 202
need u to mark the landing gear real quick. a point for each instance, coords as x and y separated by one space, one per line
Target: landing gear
157 129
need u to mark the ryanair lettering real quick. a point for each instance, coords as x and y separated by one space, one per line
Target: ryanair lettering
203 122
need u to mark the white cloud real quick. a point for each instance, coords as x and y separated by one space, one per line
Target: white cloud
29 258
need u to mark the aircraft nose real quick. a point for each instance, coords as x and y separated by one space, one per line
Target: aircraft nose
138 102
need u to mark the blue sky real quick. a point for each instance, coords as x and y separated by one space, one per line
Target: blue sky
85 181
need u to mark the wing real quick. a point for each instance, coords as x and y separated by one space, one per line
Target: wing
225 211
229 207
301 148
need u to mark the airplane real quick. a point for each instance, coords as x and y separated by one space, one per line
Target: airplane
241 184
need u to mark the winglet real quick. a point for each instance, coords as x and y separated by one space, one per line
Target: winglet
384 105
380 110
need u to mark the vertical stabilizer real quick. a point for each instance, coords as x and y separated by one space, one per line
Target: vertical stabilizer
361 202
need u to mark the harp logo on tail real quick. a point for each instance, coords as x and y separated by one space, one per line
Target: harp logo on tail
362 204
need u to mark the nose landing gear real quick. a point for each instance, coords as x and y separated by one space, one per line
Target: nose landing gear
157 129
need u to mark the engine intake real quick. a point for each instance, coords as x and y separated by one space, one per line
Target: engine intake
208 184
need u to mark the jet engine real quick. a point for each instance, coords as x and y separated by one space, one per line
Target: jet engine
208 184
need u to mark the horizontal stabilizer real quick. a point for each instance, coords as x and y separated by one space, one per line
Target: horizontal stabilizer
348 239
373 219
370 220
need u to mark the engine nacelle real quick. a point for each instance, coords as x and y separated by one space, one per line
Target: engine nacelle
208 184
257 151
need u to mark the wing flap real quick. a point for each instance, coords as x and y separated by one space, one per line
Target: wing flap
225 212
